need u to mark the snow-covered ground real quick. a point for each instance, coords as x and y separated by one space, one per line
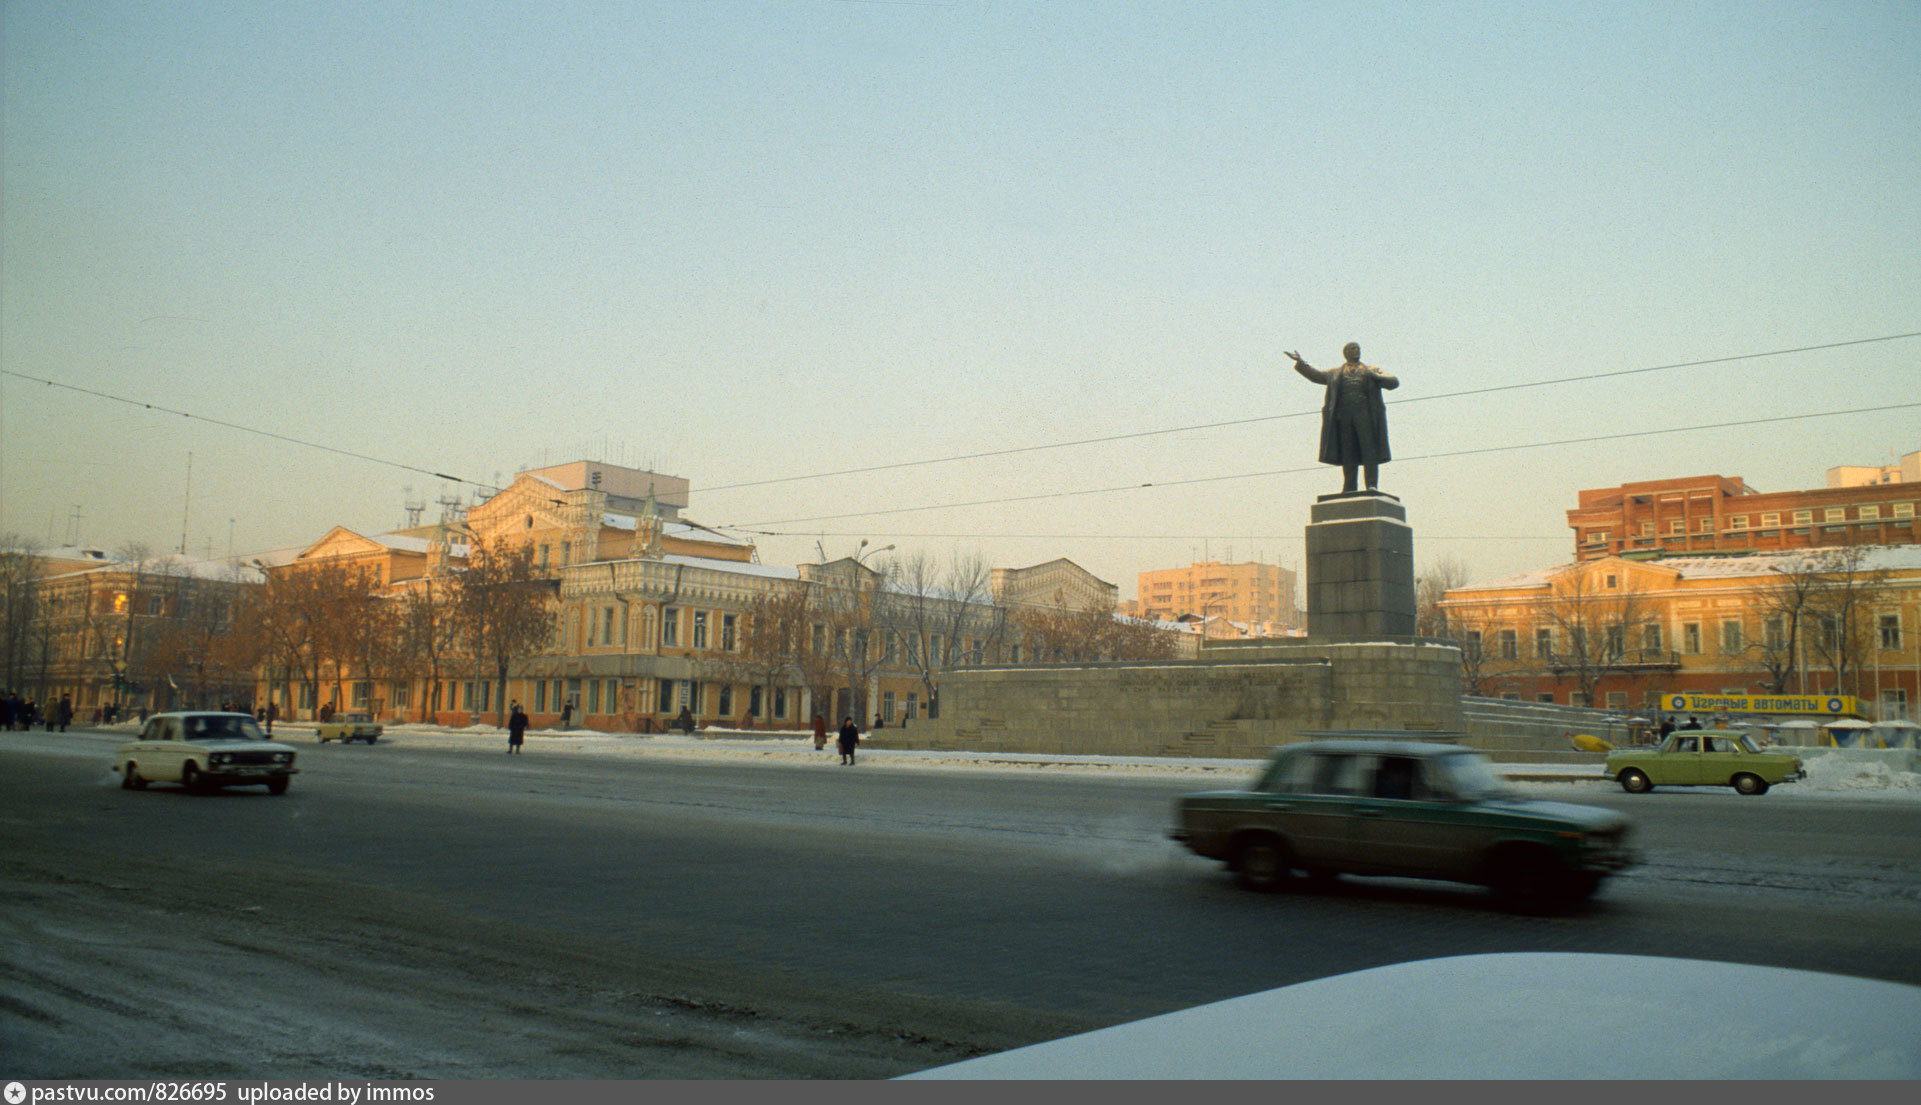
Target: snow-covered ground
1828 774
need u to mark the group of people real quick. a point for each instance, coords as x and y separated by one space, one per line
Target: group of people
25 713
846 740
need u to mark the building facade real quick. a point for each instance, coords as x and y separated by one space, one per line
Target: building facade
1703 515
1250 593
1619 633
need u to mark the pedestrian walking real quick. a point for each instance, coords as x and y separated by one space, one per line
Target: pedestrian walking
65 710
849 737
685 721
273 711
516 730
567 715
820 732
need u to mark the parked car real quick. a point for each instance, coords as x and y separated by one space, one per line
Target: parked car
1403 808
347 728
204 750
1702 758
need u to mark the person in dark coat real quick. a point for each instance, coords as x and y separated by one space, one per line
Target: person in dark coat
273 713
685 721
516 729
1353 416
820 732
66 712
849 737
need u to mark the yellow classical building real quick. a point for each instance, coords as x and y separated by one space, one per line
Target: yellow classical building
1622 634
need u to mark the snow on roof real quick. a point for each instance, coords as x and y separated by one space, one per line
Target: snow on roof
740 567
1892 558
401 543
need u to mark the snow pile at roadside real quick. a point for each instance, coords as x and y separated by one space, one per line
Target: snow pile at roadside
1835 773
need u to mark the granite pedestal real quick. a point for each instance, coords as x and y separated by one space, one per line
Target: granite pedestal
1360 568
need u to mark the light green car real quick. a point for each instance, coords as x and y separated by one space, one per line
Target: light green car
1702 758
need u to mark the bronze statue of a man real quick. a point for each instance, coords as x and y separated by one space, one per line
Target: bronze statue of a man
1353 417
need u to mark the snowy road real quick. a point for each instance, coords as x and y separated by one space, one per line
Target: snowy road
430 907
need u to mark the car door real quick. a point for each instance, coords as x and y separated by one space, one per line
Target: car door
1681 764
169 752
1318 818
1718 760
1409 824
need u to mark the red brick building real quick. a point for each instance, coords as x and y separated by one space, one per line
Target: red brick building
1705 515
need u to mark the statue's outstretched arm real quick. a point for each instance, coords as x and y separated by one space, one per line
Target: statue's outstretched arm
1308 370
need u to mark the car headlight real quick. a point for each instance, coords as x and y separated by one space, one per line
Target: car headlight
283 757
219 757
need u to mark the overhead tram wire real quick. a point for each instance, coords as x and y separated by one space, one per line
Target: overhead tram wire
749 527
247 429
1015 450
1137 434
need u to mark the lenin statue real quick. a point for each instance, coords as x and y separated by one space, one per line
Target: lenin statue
1353 418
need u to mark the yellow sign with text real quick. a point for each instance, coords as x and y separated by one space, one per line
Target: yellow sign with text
1831 705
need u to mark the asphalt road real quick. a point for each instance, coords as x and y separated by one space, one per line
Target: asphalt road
457 913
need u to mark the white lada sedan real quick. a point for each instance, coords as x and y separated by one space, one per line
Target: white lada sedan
203 750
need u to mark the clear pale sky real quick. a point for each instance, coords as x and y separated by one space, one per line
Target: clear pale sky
742 241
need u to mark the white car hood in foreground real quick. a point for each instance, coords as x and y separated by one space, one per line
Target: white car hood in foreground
1519 1015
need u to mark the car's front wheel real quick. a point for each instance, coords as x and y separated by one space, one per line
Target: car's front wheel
130 777
1531 880
1263 863
1635 782
190 778
1745 783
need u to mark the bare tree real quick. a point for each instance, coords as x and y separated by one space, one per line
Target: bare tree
506 610
933 614
425 636
21 609
1430 588
1841 613
1783 608
1595 627
775 642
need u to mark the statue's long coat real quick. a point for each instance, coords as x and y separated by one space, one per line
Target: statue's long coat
1375 414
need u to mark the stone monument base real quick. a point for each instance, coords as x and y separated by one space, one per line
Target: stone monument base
1360 568
1238 700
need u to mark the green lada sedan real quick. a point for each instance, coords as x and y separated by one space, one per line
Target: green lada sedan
1702 758
1403 808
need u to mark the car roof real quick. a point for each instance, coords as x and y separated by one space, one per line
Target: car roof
1375 747
200 713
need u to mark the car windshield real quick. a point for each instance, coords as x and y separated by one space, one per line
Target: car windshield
221 727
1472 776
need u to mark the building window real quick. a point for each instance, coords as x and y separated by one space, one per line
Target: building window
1803 517
1775 632
566 552
1597 537
664 704
936 653
1647 529
729 637
700 629
1730 638
820 639
1691 638
1613 581
1894 704
1705 525
1869 513
1545 696
974 651
887 704
1904 510
540 696
1510 645
1471 644
1651 637
593 696
1890 631
1678 527
1617 640
362 692
670 627
780 702
1617 700
403 695
1739 521
1544 644
726 699
913 707
1834 514
1770 520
